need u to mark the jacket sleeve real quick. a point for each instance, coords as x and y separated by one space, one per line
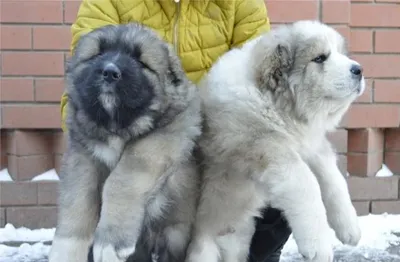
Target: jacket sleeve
92 14
251 20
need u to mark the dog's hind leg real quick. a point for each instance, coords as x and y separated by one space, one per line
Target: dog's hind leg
203 248
176 239
235 245
79 204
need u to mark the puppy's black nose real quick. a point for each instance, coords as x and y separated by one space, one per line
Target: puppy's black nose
356 70
111 73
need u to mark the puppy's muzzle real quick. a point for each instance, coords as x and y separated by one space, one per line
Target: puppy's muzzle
111 73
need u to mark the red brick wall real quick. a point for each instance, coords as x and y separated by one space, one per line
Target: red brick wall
34 42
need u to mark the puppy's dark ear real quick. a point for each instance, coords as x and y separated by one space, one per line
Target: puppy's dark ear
175 72
274 67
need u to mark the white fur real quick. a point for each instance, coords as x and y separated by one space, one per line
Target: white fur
109 153
76 249
266 144
105 254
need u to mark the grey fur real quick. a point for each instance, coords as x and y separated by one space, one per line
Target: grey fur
267 109
139 181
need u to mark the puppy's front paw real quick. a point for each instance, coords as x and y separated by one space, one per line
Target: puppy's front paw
319 249
346 227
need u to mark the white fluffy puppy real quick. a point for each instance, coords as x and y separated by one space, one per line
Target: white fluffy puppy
268 108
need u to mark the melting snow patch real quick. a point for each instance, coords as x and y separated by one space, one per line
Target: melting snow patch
10 233
25 252
379 232
49 175
4 175
384 172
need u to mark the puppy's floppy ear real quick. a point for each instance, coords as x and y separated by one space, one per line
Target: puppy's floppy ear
175 72
273 68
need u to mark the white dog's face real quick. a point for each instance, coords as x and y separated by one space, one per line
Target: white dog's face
321 65
306 66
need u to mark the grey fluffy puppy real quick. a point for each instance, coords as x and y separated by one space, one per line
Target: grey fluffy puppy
268 107
128 172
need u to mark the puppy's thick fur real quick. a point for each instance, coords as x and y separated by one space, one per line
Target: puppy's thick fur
128 172
267 110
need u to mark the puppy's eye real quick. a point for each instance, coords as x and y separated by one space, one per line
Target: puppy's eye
320 59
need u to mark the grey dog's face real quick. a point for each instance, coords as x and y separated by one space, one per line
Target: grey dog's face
321 64
119 73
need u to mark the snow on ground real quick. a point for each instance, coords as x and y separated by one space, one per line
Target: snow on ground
380 233
384 172
46 176
4 175
10 233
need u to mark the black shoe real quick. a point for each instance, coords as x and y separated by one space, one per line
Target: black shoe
272 233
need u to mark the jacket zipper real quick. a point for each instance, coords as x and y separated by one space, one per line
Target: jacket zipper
176 25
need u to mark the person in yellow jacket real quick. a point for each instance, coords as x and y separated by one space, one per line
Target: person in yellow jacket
201 31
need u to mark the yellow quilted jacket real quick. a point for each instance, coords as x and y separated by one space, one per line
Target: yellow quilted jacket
200 30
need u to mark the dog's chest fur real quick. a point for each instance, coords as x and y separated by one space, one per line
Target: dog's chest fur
110 151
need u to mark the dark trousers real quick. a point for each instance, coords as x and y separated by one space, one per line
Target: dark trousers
272 232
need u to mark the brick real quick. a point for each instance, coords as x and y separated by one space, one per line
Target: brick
387 1
16 89
3 149
59 143
392 139
18 193
32 116
15 37
58 163
32 217
380 207
392 160
368 115
373 188
366 140
366 97
364 164
70 11
3 161
2 217
25 143
362 207
49 89
387 41
379 65
339 140
51 37
387 91
344 30
24 168
47 193
31 11
361 40
279 12
32 63
336 11
378 15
